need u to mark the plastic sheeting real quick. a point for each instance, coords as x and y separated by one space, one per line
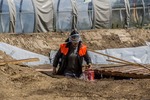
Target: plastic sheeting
28 16
12 15
102 13
137 15
64 16
85 15
44 15
137 54
24 16
4 16
18 54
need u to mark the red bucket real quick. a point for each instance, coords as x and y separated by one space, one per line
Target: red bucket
89 75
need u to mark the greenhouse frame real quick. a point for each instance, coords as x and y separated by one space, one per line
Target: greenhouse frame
30 16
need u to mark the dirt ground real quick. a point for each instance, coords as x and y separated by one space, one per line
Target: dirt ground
19 82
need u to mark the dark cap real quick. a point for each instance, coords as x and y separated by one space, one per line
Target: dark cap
73 35
74 32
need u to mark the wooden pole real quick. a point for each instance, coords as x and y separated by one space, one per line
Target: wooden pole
110 56
19 61
116 61
46 70
114 66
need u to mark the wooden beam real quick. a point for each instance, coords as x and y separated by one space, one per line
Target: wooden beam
19 61
117 61
46 70
114 66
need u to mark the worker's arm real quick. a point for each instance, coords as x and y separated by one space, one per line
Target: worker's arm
87 58
56 60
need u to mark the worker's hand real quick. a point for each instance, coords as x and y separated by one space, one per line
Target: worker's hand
54 71
89 66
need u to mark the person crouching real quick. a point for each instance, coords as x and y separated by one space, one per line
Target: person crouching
70 57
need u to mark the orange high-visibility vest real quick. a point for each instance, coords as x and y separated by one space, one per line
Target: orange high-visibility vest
82 50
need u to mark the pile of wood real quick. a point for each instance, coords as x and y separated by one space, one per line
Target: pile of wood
122 68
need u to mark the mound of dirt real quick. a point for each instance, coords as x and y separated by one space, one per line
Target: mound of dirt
23 83
19 82
42 43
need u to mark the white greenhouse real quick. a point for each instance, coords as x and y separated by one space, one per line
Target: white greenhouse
29 16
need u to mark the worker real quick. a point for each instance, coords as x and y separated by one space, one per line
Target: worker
70 57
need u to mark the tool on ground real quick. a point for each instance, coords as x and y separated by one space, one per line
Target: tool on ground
88 73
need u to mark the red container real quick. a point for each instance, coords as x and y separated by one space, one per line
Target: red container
89 75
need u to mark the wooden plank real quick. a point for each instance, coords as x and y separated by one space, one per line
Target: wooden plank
19 61
115 66
116 61
45 70
130 70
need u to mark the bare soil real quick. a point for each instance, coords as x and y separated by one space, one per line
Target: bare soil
19 82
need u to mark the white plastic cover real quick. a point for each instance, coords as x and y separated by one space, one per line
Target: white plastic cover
137 54
18 54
